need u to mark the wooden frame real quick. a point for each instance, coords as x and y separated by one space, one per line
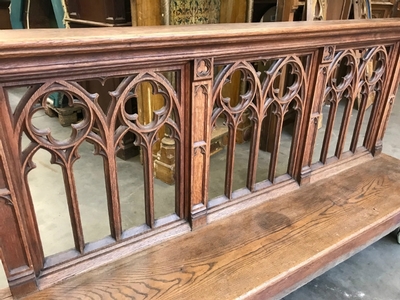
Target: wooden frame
54 60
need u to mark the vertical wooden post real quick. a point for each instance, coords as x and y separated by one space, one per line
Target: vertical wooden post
14 245
201 108
320 65
14 250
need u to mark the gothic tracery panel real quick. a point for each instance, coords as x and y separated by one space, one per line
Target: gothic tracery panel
253 102
352 91
64 120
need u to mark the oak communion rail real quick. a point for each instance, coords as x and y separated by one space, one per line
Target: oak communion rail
288 71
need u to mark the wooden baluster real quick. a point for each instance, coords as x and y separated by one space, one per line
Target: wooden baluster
111 183
230 158
277 132
357 127
73 206
148 185
328 131
343 127
254 149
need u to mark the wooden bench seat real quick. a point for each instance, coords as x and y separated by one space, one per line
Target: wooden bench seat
264 252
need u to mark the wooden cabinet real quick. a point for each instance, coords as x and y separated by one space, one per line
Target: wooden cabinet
382 8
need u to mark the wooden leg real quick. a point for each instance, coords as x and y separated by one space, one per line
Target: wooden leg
243 132
397 232
164 164
164 161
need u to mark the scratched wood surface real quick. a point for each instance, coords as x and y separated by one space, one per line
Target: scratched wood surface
261 252
5 294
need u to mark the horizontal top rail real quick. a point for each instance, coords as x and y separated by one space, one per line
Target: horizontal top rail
298 34
84 52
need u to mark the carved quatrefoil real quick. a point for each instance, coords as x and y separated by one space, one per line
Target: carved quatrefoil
203 68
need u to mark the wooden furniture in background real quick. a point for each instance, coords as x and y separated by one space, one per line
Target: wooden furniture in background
286 10
316 10
5 22
39 14
396 9
98 13
338 9
54 60
382 8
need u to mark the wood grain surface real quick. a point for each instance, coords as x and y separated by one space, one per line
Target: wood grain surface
261 252
294 34
5 294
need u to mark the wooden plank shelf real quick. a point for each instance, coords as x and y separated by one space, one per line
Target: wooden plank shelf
262 253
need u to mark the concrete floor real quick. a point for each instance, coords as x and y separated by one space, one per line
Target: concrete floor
370 274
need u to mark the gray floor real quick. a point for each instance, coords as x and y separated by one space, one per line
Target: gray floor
368 275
